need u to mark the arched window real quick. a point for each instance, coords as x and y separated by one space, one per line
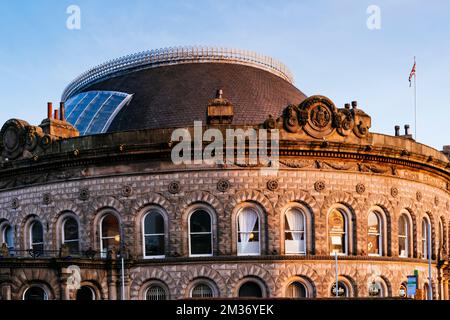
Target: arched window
403 236
248 232
154 235
441 236
202 290
109 234
70 235
402 292
297 290
250 289
337 232
35 293
343 290
155 292
377 289
7 236
36 236
200 234
425 238
295 235
85 293
375 234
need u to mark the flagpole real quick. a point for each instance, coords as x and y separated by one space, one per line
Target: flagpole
415 100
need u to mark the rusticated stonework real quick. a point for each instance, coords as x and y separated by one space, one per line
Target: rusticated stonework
356 173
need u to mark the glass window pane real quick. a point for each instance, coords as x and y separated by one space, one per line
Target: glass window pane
70 229
35 293
202 291
9 237
296 290
373 246
201 244
155 293
37 232
110 226
250 289
200 221
154 223
154 245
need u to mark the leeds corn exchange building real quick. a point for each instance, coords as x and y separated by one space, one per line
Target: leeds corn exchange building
93 207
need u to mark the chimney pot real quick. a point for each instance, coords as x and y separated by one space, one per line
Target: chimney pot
219 94
56 116
347 106
407 129
355 104
62 111
397 131
49 110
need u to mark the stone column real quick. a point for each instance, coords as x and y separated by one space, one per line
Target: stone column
5 291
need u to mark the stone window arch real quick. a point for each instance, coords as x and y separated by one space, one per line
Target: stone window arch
299 287
154 224
251 287
296 223
202 288
68 231
202 230
7 235
405 235
340 230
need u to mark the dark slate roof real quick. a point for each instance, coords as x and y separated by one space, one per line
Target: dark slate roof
175 96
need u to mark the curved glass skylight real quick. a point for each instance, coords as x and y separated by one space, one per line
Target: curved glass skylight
92 112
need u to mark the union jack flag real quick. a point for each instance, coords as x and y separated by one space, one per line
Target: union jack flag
413 72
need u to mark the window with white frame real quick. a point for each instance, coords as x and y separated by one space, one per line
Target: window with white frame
37 236
202 290
425 235
70 235
154 235
337 232
109 234
7 236
375 234
155 292
200 233
248 242
295 231
403 236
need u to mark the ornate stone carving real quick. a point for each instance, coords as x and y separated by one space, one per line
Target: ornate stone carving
319 186
394 192
15 203
174 187
334 165
321 113
127 191
436 201
272 184
83 194
291 163
419 196
360 188
371 168
46 198
291 123
223 185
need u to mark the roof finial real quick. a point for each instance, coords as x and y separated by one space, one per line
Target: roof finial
219 94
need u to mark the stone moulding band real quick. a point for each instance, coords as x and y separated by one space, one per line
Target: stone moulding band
173 56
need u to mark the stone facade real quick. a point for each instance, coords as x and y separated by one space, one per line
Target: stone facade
128 173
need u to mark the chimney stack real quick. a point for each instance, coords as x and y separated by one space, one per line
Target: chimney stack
397 131
347 106
406 129
56 116
62 112
49 110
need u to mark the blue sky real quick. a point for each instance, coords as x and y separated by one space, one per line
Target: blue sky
326 44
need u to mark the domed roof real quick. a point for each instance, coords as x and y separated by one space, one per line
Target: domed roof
175 90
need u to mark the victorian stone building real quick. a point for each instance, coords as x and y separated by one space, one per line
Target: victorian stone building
93 207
